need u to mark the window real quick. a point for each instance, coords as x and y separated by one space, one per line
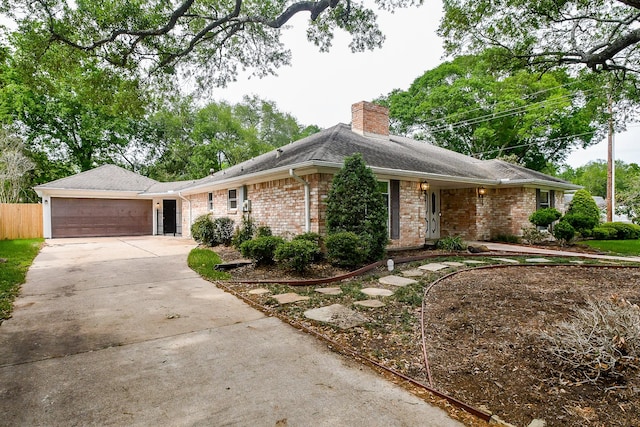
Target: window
383 187
232 199
210 201
544 199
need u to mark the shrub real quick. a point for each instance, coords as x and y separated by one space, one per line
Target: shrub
451 244
313 238
202 230
583 213
604 233
623 230
533 236
602 339
264 231
261 249
222 231
244 233
564 232
297 254
506 238
346 249
544 217
355 204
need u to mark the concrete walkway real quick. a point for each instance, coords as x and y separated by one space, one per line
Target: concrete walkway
122 332
503 247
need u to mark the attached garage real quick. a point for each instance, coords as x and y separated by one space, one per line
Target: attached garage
78 217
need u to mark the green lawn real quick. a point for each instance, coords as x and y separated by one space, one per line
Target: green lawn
19 255
621 247
202 262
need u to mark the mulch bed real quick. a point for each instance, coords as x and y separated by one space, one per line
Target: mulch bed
482 334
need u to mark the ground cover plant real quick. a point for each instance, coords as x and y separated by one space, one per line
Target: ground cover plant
484 334
16 256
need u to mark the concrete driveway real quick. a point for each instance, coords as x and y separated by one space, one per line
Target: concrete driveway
119 331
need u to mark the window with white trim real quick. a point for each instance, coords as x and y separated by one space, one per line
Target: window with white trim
232 199
544 201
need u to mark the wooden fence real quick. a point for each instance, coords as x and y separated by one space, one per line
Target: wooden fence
20 221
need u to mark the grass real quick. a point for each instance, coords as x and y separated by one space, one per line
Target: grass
19 255
202 262
621 247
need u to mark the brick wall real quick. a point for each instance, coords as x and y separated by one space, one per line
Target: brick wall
412 211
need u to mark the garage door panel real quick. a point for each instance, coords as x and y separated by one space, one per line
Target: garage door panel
72 217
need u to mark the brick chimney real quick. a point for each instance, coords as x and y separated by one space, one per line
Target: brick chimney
370 119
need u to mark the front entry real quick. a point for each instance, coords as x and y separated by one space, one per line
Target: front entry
169 217
432 218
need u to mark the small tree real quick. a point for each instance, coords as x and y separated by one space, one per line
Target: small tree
564 232
14 165
544 217
356 205
583 213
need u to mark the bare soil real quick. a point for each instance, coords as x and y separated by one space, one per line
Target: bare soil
482 335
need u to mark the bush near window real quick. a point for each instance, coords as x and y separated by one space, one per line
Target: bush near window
564 232
261 249
355 204
245 232
202 230
544 217
313 238
297 254
223 228
346 249
583 213
616 231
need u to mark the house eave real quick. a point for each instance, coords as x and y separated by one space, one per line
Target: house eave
84 193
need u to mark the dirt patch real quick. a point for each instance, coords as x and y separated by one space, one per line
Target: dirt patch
482 335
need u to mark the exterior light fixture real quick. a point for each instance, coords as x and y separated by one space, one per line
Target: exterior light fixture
157 205
424 187
481 192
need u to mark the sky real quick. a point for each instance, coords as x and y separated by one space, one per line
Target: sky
319 88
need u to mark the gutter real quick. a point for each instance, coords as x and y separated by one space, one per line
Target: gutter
307 201
189 203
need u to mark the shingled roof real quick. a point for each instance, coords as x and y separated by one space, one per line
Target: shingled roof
102 178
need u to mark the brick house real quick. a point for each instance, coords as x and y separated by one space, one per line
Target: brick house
431 191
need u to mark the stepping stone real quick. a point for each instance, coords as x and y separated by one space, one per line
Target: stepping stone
453 263
370 303
396 281
512 261
289 298
336 314
377 292
473 261
329 291
577 262
416 272
537 260
259 291
433 267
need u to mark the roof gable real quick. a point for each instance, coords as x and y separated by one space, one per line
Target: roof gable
102 178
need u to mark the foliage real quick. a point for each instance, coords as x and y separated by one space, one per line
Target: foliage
211 40
297 254
617 231
532 235
469 106
19 255
203 261
314 238
601 341
14 165
593 177
597 35
261 249
244 232
623 247
544 217
223 229
410 294
506 238
202 230
629 200
264 231
451 244
564 232
346 249
355 204
583 213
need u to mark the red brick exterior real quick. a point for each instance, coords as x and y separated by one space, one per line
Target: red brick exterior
369 119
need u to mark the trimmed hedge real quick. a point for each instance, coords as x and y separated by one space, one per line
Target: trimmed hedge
262 249
544 217
297 254
616 231
346 249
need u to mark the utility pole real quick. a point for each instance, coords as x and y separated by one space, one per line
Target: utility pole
611 168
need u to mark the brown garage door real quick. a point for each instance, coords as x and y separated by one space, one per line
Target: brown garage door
100 217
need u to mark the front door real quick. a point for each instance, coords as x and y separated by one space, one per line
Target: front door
169 216
433 214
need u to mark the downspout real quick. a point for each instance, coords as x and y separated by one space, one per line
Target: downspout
189 203
307 199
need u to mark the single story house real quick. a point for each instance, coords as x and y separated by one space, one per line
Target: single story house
430 191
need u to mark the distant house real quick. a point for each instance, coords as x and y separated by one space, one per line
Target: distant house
430 191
